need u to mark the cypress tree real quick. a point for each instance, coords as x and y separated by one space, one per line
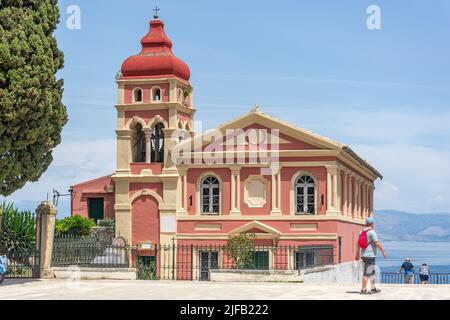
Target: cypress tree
32 114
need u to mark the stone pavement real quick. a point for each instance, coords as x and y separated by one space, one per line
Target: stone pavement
167 290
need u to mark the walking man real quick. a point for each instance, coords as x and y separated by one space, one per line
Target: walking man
409 271
367 247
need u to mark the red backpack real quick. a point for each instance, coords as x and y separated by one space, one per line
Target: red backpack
362 241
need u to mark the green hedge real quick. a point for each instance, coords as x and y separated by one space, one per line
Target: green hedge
74 225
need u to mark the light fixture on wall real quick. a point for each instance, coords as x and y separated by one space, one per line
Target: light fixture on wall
190 200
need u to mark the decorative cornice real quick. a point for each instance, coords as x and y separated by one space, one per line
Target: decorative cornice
156 106
294 219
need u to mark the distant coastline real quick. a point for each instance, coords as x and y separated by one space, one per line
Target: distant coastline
435 253
404 226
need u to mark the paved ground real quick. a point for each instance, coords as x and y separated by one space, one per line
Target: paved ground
165 290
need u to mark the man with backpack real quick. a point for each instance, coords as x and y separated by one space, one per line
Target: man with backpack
367 247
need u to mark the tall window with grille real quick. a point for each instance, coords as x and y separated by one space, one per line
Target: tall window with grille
210 195
305 190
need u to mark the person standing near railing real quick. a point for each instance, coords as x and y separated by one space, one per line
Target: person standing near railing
367 247
409 271
424 274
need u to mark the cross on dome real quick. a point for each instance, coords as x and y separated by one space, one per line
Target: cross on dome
156 16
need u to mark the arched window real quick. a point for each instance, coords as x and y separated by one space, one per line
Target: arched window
156 94
210 195
305 195
137 95
138 144
158 143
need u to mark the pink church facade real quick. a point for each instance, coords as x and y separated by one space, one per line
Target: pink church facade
257 174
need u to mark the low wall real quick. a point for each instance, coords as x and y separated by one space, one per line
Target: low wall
227 275
345 273
94 273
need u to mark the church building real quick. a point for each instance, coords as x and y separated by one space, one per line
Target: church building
253 174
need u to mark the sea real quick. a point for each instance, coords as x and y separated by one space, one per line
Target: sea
435 254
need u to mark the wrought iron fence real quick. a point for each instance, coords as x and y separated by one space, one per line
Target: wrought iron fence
88 252
195 262
23 252
399 278
23 266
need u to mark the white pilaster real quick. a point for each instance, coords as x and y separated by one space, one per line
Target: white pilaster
235 191
332 191
276 211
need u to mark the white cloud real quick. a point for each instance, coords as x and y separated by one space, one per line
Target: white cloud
416 167
417 178
74 162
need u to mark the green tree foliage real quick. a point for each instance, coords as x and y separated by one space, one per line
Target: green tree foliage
31 112
74 225
17 231
240 249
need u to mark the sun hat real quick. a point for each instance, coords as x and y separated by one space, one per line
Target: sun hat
370 221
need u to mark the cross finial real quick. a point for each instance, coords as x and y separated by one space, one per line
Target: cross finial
256 108
156 16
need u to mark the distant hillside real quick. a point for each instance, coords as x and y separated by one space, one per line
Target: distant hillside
396 225
31 205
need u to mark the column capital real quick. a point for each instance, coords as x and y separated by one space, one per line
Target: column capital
147 132
182 170
235 169
332 168
125 133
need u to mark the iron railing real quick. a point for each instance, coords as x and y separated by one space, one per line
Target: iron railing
399 278
23 266
88 252
195 262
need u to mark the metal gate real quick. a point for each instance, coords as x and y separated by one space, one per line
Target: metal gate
25 263
209 260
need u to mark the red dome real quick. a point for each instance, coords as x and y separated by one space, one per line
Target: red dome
156 57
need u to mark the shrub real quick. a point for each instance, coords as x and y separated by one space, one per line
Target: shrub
240 249
107 222
17 231
74 225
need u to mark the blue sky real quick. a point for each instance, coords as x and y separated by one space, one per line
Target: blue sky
386 93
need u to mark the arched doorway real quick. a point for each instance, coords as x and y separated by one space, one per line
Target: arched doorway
145 220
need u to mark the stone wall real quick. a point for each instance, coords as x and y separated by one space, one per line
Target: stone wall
75 273
345 273
254 276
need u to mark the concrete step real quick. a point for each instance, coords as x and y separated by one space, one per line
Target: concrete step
227 275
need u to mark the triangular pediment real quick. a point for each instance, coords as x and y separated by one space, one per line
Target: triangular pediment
225 142
257 125
256 227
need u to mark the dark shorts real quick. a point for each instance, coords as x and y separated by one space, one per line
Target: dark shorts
424 277
369 266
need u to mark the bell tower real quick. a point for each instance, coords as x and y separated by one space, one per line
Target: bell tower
155 99
155 106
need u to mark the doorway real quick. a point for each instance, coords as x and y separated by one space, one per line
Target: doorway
209 260
96 209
